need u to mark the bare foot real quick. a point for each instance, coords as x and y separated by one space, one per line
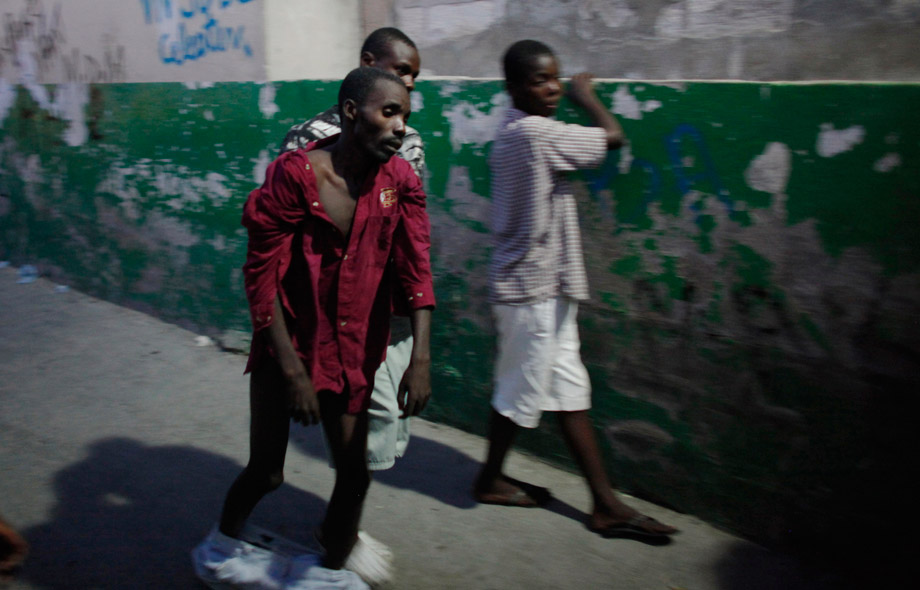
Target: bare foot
621 520
507 491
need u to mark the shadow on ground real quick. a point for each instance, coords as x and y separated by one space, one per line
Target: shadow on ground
128 515
429 467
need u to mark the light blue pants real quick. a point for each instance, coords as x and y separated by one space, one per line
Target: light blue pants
387 433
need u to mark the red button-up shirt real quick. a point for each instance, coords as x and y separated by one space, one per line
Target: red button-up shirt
337 290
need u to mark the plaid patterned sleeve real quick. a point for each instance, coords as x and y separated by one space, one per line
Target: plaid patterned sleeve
569 147
413 151
319 127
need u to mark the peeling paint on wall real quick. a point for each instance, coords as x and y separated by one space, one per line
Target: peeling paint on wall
887 163
769 172
267 101
832 142
739 265
7 97
470 125
626 105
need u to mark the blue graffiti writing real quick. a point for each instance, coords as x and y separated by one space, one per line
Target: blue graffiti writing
185 46
204 6
157 11
606 176
650 192
685 182
691 163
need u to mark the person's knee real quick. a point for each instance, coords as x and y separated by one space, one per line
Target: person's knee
357 477
265 480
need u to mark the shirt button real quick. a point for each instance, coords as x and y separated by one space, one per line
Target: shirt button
306 167
345 257
316 203
418 294
343 324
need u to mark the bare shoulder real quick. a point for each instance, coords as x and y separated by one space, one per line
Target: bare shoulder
320 161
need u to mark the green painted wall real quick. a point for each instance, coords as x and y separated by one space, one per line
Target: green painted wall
753 338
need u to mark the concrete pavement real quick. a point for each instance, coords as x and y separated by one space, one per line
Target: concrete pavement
119 435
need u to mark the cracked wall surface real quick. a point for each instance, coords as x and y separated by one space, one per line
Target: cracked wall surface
672 39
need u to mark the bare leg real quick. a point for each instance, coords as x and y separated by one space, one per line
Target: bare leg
492 486
347 436
270 425
608 509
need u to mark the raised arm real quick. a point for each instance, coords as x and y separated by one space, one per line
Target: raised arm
581 92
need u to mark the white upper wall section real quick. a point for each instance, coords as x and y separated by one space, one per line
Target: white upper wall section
313 39
98 41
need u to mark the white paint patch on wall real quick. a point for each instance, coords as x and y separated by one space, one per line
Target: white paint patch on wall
69 100
7 98
626 159
832 142
261 165
628 106
711 19
887 163
70 105
191 191
267 101
471 126
417 101
171 230
769 172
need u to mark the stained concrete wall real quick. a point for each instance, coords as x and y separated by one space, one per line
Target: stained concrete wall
752 337
755 268
105 41
670 39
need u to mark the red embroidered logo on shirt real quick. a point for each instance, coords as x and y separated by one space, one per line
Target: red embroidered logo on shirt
387 197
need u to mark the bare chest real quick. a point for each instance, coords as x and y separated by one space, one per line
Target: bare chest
339 205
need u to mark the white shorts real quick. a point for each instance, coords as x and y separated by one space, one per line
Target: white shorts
539 366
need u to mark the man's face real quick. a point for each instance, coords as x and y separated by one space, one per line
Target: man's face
539 92
401 60
380 123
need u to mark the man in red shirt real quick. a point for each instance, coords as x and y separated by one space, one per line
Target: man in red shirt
322 229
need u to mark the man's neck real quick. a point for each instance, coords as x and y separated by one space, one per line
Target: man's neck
351 165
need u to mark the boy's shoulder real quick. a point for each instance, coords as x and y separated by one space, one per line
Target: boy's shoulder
531 127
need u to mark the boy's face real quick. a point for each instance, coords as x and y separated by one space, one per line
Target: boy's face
380 123
402 60
539 91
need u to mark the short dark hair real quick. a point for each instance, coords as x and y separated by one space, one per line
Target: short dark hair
379 42
360 81
519 58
